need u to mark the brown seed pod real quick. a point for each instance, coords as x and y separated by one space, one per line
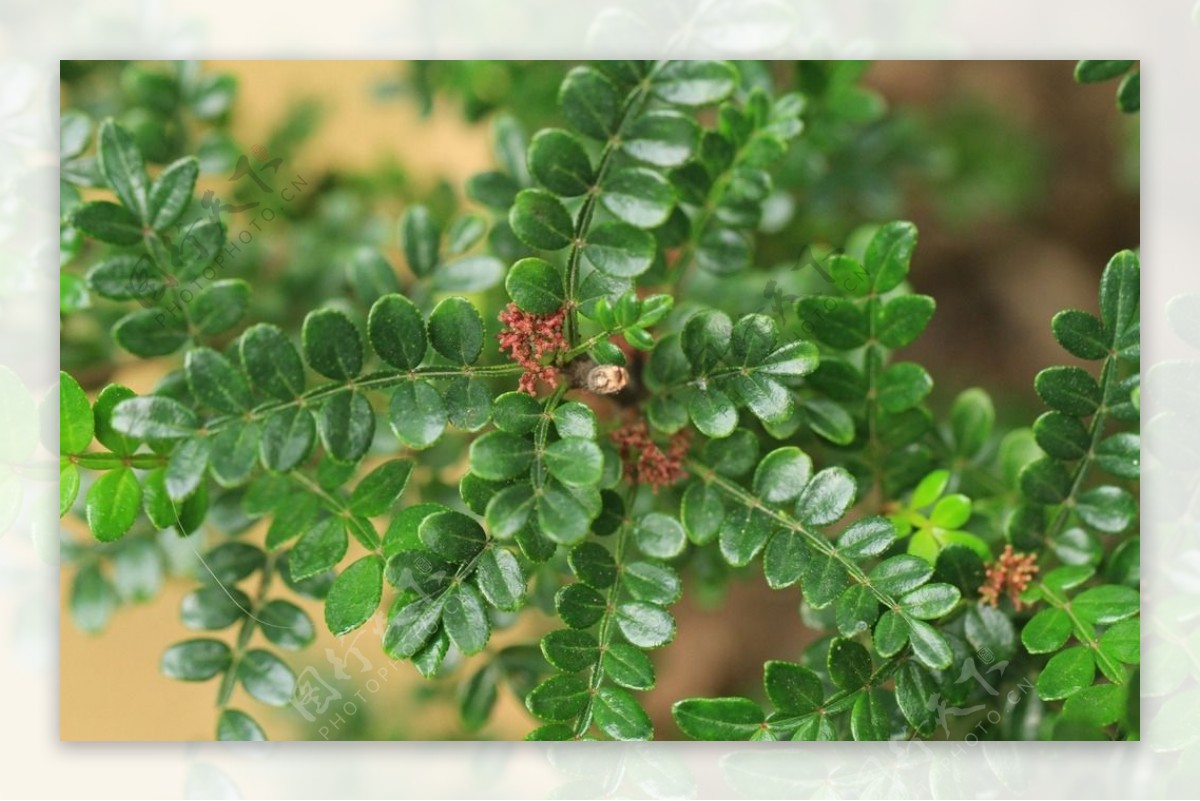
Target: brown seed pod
602 379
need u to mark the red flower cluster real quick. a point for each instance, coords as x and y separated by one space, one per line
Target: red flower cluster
528 338
1012 571
645 461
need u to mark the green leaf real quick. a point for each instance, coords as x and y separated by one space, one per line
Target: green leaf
706 339
124 171
477 697
951 512
701 512
465 231
493 189
1066 673
560 515
68 486
215 382
929 646
172 192
266 677
579 605
74 414
793 689
271 362
900 574
902 319
574 461
826 498
535 286
213 608
1122 642
619 249
628 666
659 535
593 565
782 475
1106 604
508 511
466 619
1045 481
569 650
93 599
867 537
397 331
468 274
559 698
903 385
559 162
914 691
195 660
712 412
126 277
1119 292
663 138
107 222
148 333
1061 436
220 306
354 596
74 131
930 601
589 102
838 322
573 419
113 502
381 488
972 418
645 625
694 83
824 579
990 632
421 239
346 423
318 549
1093 71
868 718
1098 705
618 714
723 251
540 220
500 456
718 718
412 627
652 582
1107 508
1046 631
332 345
286 625
456 330
638 196
287 439
234 725
500 579
891 633
1071 390
792 360
849 664
857 610
417 414
1129 93
888 255
452 535
1120 455
1081 334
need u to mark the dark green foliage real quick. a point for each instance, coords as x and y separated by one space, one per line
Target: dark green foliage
405 471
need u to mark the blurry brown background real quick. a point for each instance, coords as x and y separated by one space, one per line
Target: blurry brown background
997 279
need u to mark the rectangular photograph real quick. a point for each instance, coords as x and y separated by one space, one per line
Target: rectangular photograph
621 400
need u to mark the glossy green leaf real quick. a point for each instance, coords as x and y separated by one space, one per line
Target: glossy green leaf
570 650
500 579
628 666
1066 673
148 333
397 331
589 102
929 646
452 535
266 677
867 537
421 238
195 660
930 601
705 340
535 286
215 382
888 255
559 162
1107 508
1092 71
417 414
694 83
500 456
849 664
354 596
465 618
346 423
900 574
903 385
792 689
718 718
1045 481
645 625
271 362
113 502
856 611
619 249
972 418
712 412
659 535
75 416
1081 334
638 196
456 330
618 714
574 461
286 625
782 474
381 488
540 220
235 725
558 698
318 549
107 222
826 498
332 345
123 168
663 138
1071 390
1106 604
902 319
